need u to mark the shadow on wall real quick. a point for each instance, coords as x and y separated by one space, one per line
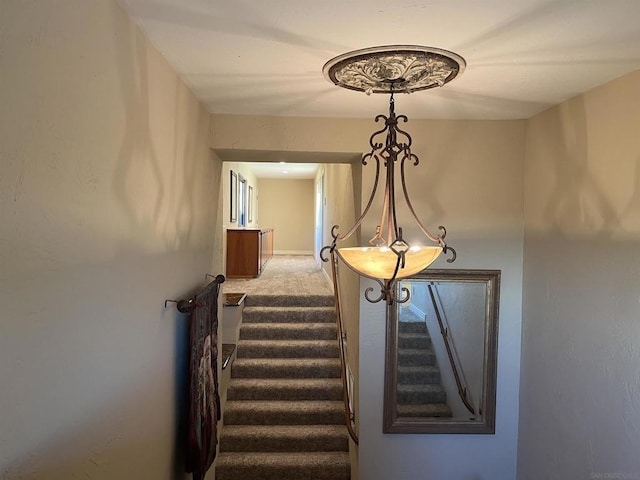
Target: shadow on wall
137 164
200 20
578 205
156 192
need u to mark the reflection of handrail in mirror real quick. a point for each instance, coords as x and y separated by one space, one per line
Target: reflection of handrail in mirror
454 348
344 367
462 389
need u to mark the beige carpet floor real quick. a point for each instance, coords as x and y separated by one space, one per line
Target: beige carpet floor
284 275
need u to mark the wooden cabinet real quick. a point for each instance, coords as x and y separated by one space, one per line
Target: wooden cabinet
248 251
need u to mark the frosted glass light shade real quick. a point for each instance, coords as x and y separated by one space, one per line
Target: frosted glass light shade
380 262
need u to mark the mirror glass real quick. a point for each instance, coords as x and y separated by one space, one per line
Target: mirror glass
441 353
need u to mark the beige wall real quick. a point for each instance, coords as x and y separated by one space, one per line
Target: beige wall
341 181
340 210
470 179
287 206
107 208
580 394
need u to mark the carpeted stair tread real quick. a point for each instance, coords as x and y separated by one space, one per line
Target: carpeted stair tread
419 394
416 356
412 327
414 340
253 300
274 412
419 374
283 466
284 438
284 388
299 314
288 349
288 331
424 410
286 368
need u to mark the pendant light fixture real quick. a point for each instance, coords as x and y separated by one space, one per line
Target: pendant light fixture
390 70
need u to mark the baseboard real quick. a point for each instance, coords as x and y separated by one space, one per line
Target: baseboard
293 252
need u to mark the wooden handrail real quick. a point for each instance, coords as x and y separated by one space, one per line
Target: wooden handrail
462 391
343 358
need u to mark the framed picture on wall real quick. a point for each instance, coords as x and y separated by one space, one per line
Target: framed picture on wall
250 205
233 188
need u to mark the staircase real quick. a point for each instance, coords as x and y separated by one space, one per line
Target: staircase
284 416
420 393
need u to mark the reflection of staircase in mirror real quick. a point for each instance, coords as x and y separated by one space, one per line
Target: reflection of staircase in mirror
419 393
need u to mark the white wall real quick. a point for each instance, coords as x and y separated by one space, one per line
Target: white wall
107 208
470 179
287 206
580 388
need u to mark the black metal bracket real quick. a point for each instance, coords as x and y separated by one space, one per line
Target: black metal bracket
187 306
183 306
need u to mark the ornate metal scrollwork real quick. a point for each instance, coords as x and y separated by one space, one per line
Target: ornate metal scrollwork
330 248
388 292
371 289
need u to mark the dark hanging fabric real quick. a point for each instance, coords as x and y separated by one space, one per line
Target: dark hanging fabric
204 407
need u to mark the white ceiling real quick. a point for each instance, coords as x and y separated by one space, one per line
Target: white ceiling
266 57
283 170
273 164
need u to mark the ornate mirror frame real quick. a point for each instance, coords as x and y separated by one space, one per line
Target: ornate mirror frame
482 420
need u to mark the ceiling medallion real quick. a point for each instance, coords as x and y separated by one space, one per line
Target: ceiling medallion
397 68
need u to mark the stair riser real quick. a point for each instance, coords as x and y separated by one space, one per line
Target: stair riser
409 359
412 327
295 371
441 411
418 378
288 351
290 300
291 332
289 393
421 398
280 315
273 472
243 443
414 342
249 417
